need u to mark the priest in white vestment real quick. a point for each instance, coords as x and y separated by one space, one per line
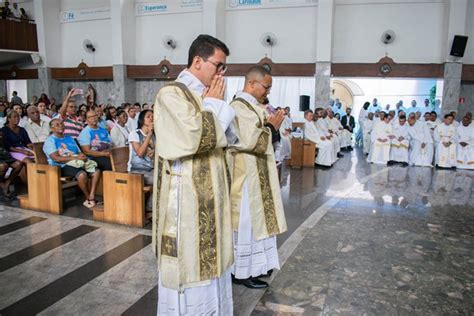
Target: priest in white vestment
323 126
192 225
381 136
359 141
421 144
335 126
401 142
257 207
325 156
445 136
465 148
285 134
368 125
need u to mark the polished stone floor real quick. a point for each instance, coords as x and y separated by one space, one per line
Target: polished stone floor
362 240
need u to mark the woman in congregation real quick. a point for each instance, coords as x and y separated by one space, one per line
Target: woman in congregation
63 151
142 150
22 113
44 113
6 162
16 141
111 117
95 141
120 132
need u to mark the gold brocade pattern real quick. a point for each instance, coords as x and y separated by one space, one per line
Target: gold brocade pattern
267 197
207 220
262 143
208 139
158 191
168 246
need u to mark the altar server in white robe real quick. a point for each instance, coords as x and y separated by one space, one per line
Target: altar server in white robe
335 126
323 127
381 136
257 207
285 134
325 156
445 136
400 144
362 117
192 225
465 148
421 144
367 129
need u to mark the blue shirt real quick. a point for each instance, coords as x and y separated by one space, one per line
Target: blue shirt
65 147
98 139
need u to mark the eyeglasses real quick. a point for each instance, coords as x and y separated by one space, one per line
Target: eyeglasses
220 67
264 86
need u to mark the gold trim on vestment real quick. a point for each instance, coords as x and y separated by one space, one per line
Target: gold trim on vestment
207 217
262 143
267 197
158 191
208 139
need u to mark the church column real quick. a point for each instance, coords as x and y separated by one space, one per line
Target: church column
123 44
323 52
455 24
48 34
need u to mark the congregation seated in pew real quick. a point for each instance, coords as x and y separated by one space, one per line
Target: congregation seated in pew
62 151
119 132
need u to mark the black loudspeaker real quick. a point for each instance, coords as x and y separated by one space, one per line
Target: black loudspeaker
459 45
304 102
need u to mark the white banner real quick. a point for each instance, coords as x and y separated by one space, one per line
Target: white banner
168 7
267 4
77 15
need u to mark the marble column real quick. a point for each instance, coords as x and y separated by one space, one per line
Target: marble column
3 89
322 90
451 87
467 92
124 87
44 84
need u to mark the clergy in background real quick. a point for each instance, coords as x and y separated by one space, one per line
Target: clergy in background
323 127
368 125
381 135
285 134
445 136
348 123
400 144
326 156
257 207
421 144
465 148
192 228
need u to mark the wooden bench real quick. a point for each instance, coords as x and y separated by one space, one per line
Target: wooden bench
303 153
124 193
45 184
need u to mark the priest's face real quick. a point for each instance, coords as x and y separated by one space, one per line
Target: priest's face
261 88
466 120
402 121
411 121
205 69
309 116
448 120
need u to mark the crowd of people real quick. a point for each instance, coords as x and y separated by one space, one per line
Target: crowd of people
77 139
408 136
14 12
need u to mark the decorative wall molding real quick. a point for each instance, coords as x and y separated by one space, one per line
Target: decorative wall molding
467 73
164 71
15 73
82 72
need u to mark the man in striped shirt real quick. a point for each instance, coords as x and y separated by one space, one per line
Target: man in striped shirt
68 114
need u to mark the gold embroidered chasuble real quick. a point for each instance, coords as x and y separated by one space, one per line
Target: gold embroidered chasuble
192 232
253 160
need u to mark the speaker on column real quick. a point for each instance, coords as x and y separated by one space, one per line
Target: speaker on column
459 45
304 102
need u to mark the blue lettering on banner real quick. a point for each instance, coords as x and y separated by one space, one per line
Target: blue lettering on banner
152 8
238 3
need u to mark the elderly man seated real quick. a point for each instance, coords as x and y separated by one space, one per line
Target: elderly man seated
63 151
37 129
326 155
95 141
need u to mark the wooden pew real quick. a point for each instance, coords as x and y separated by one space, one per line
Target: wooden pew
124 193
45 184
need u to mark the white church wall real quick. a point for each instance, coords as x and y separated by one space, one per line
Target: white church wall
294 28
418 26
151 29
469 52
74 33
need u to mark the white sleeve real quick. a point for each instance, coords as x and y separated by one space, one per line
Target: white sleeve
133 137
221 109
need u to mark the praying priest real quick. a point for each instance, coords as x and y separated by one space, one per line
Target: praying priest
421 144
445 136
257 207
381 136
465 147
326 155
192 228
400 144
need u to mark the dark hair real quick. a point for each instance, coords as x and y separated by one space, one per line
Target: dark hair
204 46
448 115
434 113
366 105
137 104
120 112
402 117
307 111
257 69
108 116
141 118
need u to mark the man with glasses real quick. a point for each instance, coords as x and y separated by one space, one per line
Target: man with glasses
257 208
192 229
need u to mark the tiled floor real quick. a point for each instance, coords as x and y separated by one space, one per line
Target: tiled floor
362 240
